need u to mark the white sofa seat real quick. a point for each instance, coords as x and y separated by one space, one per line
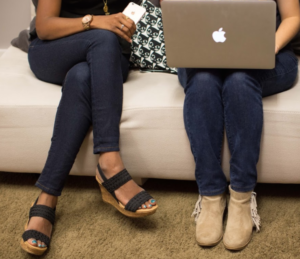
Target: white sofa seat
153 141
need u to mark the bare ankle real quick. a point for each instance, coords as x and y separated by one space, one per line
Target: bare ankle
47 199
111 161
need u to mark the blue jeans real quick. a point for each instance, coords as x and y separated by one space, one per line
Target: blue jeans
218 98
92 69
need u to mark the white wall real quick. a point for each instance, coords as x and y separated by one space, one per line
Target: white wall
15 16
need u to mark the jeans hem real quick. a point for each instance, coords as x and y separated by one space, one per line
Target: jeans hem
243 189
106 149
214 192
47 190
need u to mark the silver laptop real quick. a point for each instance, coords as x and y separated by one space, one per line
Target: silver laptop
220 33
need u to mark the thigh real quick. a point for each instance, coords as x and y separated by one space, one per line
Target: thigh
201 78
51 60
279 79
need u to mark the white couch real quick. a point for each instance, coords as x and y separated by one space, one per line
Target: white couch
153 144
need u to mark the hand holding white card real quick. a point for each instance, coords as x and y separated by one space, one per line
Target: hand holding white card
134 12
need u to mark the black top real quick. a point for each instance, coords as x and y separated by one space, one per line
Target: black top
80 8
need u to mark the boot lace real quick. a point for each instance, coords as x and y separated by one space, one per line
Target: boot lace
197 208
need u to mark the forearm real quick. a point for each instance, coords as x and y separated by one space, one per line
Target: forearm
287 30
56 27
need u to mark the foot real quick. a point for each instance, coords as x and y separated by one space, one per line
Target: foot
209 225
40 224
240 220
111 164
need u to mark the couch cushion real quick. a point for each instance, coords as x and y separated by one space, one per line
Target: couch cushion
153 139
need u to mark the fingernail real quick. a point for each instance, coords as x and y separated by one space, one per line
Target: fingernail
43 246
33 241
39 245
144 206
152 201
150 205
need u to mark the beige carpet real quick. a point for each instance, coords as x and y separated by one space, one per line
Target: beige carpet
88 228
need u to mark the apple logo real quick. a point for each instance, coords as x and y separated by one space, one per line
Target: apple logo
218 36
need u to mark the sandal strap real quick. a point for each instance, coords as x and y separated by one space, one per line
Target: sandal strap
43 212
116 181
137 201
36 235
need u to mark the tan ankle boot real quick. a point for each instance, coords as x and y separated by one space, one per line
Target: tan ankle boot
242 216
208 214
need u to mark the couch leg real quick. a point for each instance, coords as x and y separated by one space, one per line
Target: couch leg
140 181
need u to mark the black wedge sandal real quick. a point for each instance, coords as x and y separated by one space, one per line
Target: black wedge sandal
43 212
108 187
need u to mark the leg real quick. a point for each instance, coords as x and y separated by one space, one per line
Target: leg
282 77
203 117
105 70
242 97
51 60
243 125
244 114
104 96
72 121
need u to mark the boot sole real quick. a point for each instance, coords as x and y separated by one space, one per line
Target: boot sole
237 248
210 244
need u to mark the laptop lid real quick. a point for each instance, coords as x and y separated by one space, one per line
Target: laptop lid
220 33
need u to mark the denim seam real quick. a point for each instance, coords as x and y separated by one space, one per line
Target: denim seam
243 188
282 74
219 191
56 43
222 138
44 187
227 126
108 147
190 136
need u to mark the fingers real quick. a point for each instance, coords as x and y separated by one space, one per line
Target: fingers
121 25
125 26
121 33
129 24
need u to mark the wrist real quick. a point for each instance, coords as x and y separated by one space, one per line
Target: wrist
97 22
86 21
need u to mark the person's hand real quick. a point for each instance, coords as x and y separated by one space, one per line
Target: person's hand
117 23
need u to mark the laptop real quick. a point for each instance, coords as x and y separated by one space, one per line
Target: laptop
220 33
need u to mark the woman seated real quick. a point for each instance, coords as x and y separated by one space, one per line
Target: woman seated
232 98
89 56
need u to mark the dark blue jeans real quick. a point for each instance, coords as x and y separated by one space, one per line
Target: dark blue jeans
232 98
92 69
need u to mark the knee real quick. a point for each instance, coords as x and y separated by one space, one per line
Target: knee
241 83
106 39
78 79
203 82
